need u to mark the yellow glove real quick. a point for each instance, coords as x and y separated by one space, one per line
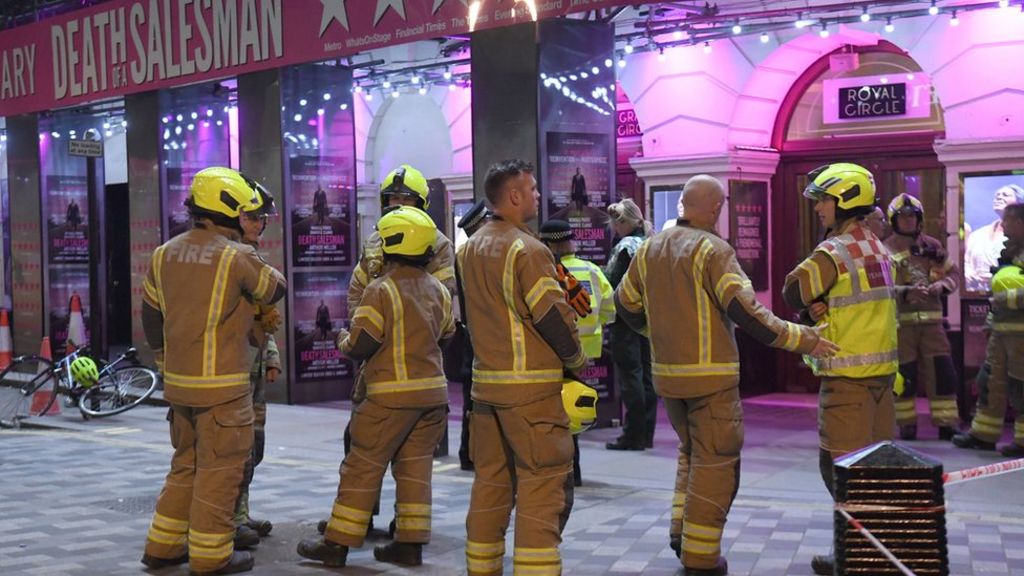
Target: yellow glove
899 385
575 294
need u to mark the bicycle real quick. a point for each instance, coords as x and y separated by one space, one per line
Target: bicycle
119 388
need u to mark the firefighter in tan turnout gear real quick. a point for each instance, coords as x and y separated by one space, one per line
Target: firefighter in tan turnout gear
923 273
198 308
402 318
520 441
850 273
686 290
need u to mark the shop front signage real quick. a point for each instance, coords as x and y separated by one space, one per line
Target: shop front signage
87 148
126 46
627 125
876 98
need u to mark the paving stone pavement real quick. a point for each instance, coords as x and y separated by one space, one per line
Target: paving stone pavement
76 498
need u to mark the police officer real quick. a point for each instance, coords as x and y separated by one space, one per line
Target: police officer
197 315
686 289
402 317
521 445
923 274
265 368
1002 376
850 272
470 222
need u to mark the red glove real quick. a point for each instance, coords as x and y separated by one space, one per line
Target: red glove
575 294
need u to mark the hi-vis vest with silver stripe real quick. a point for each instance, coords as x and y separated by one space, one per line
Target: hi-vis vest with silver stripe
861 313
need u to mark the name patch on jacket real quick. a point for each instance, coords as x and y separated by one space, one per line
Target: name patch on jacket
877 274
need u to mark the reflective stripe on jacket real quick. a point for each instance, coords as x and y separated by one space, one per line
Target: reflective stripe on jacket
371 266
920 261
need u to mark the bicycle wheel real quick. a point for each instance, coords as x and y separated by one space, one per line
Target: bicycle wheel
18 384
118 391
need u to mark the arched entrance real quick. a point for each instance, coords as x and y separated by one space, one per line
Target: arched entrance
817 125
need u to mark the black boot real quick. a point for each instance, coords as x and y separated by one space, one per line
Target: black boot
329 553
400 553
908 432
621 443
239 562
946 433
246 538
321 526
262 527
722 569
968 441
1012 451
824 565
157 563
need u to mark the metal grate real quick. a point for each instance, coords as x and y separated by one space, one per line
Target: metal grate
897 494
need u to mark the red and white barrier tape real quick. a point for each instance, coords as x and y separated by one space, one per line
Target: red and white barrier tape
874 542
969 474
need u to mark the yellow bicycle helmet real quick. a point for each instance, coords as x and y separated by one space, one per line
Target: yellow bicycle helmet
407 231
904 203
580 403
224 191
84 371
406 181
851 185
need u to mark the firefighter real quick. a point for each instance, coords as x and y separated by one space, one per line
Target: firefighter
1002 376
559 237
850 273
521 445
402 319
689 270
265 368
470 222
924 273
197 314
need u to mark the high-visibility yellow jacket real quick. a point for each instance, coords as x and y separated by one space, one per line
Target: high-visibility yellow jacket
1007 315
198 311
851 271
523 331
602 305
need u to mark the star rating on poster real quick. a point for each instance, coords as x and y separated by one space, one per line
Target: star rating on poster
383 5
439 3
333 10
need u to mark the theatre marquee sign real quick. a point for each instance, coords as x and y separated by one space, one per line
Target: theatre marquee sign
127 46
866 98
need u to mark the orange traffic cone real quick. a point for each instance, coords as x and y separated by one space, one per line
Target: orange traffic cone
42 396
76 325
5 340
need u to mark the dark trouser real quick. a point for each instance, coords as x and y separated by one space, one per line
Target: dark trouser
467 408
259 408
631 356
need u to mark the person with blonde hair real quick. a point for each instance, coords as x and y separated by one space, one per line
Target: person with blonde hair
631 352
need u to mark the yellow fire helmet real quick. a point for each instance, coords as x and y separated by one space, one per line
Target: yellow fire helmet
84 371
407 231
904 203
1007 278
580 403
406 181
224 191
851 185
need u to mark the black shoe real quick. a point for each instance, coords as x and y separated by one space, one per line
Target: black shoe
321 526
720 570
1013 451
400 553
246 538
946 433
157 563
467 465
262 527
968 441
622 444
824 565
908 432
239 562
676 544
329 553
649 443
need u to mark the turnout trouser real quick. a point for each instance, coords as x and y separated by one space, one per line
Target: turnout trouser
852 413
404 438
710 430
925 360
1000 381
195 509
523 458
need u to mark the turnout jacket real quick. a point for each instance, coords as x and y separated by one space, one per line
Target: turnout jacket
920 261
371 266
397 329
523 331
198 309
686 291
